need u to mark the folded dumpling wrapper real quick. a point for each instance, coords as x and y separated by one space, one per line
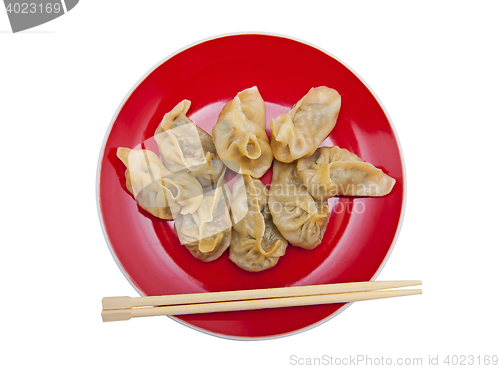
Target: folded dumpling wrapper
256 243
332 171
299 132
207 232
156 189
240 134
301 219
186 147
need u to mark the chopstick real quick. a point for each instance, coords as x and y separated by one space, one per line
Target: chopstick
125 308
125 302
212 307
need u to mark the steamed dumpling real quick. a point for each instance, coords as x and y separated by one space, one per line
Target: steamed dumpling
256 243
240 134
299 218
299 132
332 171
186 147
157 190
207 232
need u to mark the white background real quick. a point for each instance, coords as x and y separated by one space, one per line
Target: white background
435 67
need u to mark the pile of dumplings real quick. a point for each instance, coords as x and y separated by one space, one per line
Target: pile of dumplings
187 185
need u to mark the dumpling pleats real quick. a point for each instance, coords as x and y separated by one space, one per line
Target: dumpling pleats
299 218
157 190
186 147
299 132
333 171
207 232
256 243
240 134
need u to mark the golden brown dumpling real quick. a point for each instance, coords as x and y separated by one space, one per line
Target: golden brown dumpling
157 190
299 132
240 134
332 171
256 243
300 219
207 232
186 147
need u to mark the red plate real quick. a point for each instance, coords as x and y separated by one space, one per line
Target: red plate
361 230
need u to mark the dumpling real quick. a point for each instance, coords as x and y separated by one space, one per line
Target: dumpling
299 132
186 147
256 243
332 171
207 232
240 134
157 190
300 219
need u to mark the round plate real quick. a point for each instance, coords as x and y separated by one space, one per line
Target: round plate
360 233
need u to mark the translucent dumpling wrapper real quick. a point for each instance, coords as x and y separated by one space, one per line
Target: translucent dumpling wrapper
240 134
299 132
157 190
207 232
186 147
301 219
256 243
332 171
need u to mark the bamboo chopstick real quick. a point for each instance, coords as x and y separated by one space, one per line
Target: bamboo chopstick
125 302
126 314
125 308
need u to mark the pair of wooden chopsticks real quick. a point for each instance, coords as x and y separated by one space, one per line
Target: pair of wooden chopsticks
124 308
